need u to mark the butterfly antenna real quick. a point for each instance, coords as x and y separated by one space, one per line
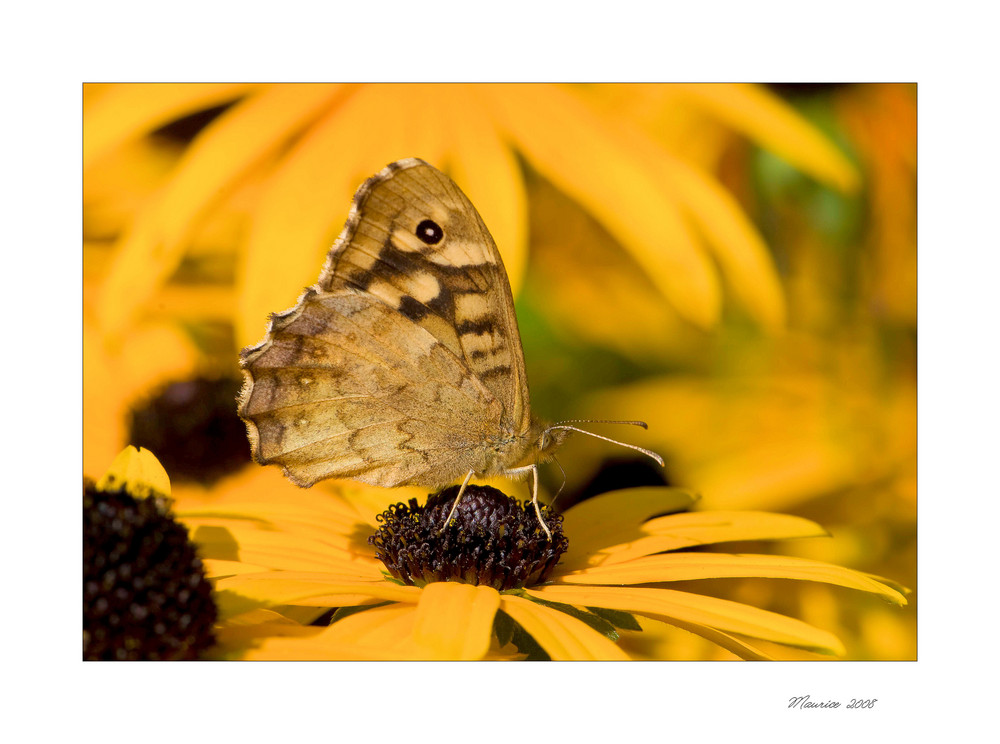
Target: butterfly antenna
643 424
648 453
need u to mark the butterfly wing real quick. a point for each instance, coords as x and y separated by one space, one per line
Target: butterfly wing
344 386
416 242
403 364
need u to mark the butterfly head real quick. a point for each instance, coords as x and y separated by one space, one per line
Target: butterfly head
549 440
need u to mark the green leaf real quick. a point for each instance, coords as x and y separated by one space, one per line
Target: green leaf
503 626
509 631
622 620
600 624
341 612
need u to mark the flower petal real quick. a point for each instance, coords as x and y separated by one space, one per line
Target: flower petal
278 551
252 628
777 127
455 620
309 195
656 633
563 637
245 592
380 626
688 529
138 472
691 566
230 147
586 157
743 256
708 527
388 632
217 568
734 645
487 171
375 637
616 517
123 112
672 606
334 523
381 633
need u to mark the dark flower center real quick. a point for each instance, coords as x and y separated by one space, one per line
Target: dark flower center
491 540
145 595
193 429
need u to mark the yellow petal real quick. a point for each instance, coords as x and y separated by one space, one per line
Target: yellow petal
777 127
487 171
388 626
658 641
326 518
455 620
383 633
216 568
255 628
426 131
691 566
276 550
616 517
685 530
248 591
124 112
743 256
705 528
138 472
308 198
316 648
325 644
562 636
119 188
228 149
386 632
739 647
670 605
586 157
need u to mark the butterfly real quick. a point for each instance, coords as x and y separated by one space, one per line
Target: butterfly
403 364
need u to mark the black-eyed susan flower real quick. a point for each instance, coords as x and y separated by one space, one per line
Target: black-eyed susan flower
192 427
490 585
145 595
145 592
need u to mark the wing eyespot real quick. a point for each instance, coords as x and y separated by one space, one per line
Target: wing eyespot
430 232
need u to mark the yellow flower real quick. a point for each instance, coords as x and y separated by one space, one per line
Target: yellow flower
301 150
629 552
819 421
144 590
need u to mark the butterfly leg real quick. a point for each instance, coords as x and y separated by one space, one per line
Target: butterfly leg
534 500
534 493
458 498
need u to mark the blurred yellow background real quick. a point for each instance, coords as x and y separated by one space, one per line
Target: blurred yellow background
734 264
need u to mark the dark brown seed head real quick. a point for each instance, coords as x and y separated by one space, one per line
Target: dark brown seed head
145 595
491 540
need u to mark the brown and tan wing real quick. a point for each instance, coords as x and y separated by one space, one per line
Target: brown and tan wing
344 386
414 241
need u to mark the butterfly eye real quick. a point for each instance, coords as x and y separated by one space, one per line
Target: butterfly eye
430 232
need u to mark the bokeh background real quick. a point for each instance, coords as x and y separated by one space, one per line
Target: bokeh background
734 264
